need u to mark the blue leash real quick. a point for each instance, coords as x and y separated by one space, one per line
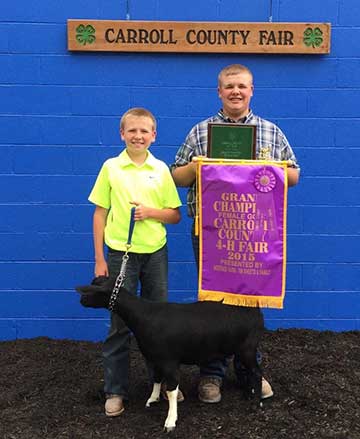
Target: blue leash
120 279
131 226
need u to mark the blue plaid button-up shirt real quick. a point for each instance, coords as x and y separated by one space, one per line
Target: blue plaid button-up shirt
271 144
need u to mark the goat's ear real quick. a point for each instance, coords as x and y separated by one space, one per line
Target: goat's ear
98 284
102 281
86 289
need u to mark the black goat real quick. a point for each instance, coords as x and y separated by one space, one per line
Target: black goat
169 334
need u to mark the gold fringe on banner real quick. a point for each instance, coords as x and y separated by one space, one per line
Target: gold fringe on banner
240 300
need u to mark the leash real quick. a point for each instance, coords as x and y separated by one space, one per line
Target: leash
120 279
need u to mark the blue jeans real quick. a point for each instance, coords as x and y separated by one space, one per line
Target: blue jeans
151 271
217 367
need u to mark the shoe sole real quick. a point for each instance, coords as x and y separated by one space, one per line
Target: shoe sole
211 401
113 414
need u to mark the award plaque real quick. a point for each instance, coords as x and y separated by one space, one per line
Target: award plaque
231 141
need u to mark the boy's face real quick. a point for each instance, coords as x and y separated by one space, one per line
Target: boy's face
235 92
138 133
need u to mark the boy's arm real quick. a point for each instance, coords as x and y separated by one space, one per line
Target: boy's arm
184 176
184 169
165 215
293 176
99 222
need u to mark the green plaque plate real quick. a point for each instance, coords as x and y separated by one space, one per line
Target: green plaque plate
231 141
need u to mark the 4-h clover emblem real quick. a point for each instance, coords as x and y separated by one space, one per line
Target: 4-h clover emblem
85 34
232 137
313 37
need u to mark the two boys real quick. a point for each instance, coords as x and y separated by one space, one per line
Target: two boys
235 90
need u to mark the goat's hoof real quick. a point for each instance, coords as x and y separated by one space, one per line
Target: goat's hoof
151 401
170 425
168 430
254 406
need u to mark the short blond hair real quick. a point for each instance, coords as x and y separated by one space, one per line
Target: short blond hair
233 69
139 112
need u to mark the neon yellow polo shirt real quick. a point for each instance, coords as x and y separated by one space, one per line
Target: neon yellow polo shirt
119 182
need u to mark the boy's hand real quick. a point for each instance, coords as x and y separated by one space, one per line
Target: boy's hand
101 268
141 212
197 158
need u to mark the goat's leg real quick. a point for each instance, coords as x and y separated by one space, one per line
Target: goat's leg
157 377
172 389
155 394
254 381
251 375
170 422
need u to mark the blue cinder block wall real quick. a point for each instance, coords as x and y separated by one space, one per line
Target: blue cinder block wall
59 115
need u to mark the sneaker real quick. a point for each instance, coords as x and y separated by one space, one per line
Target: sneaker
114 405
209 389
266 390
180 395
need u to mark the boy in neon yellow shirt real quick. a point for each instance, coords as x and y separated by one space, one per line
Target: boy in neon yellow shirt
134 178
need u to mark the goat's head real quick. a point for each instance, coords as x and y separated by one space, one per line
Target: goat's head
97 294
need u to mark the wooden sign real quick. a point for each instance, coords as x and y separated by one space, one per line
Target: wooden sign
216 37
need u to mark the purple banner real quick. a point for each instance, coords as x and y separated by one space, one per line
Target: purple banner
242 229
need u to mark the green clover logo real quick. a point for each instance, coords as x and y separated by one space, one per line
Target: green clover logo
232 137
85 34
313 37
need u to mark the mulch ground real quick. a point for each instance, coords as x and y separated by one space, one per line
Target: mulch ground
52 389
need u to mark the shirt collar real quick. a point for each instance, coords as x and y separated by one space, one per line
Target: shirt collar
124 160
229 120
